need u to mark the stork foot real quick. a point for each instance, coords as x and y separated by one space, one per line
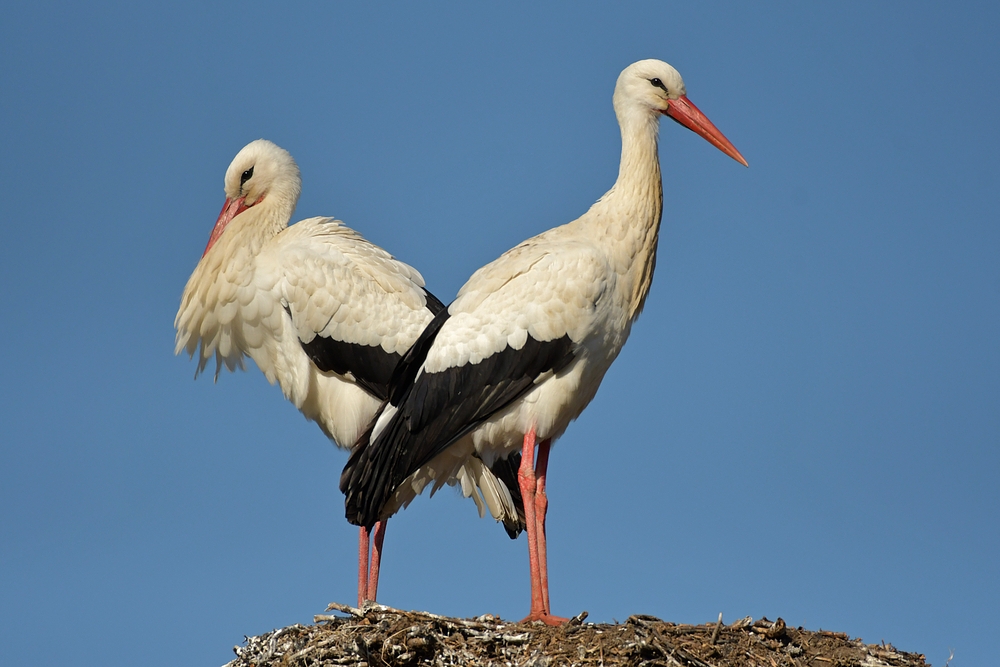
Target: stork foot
547 619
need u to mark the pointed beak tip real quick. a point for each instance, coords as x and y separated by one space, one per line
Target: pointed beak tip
684 111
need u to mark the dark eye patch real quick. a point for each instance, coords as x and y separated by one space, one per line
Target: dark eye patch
247 175
659 84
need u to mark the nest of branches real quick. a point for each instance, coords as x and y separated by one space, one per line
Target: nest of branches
377 636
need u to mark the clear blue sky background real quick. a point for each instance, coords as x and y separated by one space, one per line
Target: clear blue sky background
805 422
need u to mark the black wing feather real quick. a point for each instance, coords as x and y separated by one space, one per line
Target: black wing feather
371 366
407 369
433 303
435 410
506 471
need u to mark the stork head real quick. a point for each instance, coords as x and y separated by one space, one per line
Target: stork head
648 88
261 172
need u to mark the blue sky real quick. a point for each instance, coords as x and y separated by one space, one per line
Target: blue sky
805 422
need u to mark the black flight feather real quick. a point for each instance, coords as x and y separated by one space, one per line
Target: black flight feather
436 409
370 365
506 471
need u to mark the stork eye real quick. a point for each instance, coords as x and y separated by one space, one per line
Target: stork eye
247 175
659 84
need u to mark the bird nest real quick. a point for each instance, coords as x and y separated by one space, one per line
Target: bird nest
377 636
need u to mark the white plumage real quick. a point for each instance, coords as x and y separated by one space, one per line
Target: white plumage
264 288
322 312
523 348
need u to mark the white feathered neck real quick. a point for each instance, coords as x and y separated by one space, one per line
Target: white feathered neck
626 220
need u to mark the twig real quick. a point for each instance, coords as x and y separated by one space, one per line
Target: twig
319 618
673 653
777 629
715 633
313 648
381 608
347 609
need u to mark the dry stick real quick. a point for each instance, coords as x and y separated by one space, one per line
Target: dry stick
715 633
319 618
372 606
347 609
776 630
313 648
676 652
658 640
473 626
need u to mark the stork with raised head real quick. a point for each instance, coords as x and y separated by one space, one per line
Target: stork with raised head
322 312
523 348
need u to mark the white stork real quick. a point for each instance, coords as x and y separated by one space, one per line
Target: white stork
321 311
523 348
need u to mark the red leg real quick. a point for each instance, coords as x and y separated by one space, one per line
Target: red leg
526 480
379 536
362 565
535 504
541 509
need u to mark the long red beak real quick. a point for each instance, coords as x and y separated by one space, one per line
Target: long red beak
231 209
687 114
